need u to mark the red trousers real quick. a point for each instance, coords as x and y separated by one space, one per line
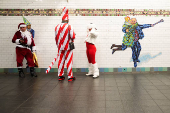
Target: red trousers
91 51
21 53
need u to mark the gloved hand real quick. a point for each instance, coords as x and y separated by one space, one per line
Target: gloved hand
33 51
21 40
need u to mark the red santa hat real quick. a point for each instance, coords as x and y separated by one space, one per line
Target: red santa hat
65 15
22 25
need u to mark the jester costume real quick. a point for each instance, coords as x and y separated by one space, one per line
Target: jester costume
137 34
131 38
128 37
28 23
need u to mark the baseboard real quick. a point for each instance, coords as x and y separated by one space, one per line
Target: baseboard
138 69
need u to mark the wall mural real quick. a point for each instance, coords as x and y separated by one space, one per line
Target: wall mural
84 12
146 57
133 32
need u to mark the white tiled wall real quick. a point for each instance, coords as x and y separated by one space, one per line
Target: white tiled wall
110 31
109 27
93 4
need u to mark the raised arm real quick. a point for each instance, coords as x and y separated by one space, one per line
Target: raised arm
93 33
145 26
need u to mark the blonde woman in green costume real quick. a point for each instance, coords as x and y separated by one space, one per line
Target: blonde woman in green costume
128 37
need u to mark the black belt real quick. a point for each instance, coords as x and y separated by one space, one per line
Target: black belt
25 45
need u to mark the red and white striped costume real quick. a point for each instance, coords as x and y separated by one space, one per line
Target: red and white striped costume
64 34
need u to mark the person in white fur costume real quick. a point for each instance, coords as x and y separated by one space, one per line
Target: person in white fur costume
91 50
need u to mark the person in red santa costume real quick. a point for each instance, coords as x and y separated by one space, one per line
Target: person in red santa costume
64 34
24 40
91 50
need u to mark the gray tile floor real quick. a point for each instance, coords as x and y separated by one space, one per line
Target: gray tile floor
110 93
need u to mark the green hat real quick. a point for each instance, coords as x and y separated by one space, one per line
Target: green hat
26 21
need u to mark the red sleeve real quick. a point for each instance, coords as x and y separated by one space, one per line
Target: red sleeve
72 33
32 44
56 34
56 27
14 38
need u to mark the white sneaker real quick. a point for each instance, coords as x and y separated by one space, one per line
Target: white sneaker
90 69
95 70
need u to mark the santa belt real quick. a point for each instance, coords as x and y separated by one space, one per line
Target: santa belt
25 45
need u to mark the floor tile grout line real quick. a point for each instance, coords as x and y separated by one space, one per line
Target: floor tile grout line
120 97
96 85
27 99
134 97
152 97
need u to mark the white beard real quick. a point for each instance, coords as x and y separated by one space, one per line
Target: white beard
27 35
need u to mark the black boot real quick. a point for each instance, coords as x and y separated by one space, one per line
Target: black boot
33 74
27 65
71 79
21 73
60 78
113 45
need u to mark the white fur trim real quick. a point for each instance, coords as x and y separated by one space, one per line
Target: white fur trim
92 35
95 70
23 47
17 41
27 35
90 69
22 25
19 67
33 48
29 41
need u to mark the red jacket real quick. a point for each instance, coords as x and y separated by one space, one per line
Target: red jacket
27 42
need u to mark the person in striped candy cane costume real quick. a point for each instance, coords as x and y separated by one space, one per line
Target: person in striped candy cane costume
91 50
64 34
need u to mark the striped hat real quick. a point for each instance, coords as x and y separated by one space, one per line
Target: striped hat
65 15
26 21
